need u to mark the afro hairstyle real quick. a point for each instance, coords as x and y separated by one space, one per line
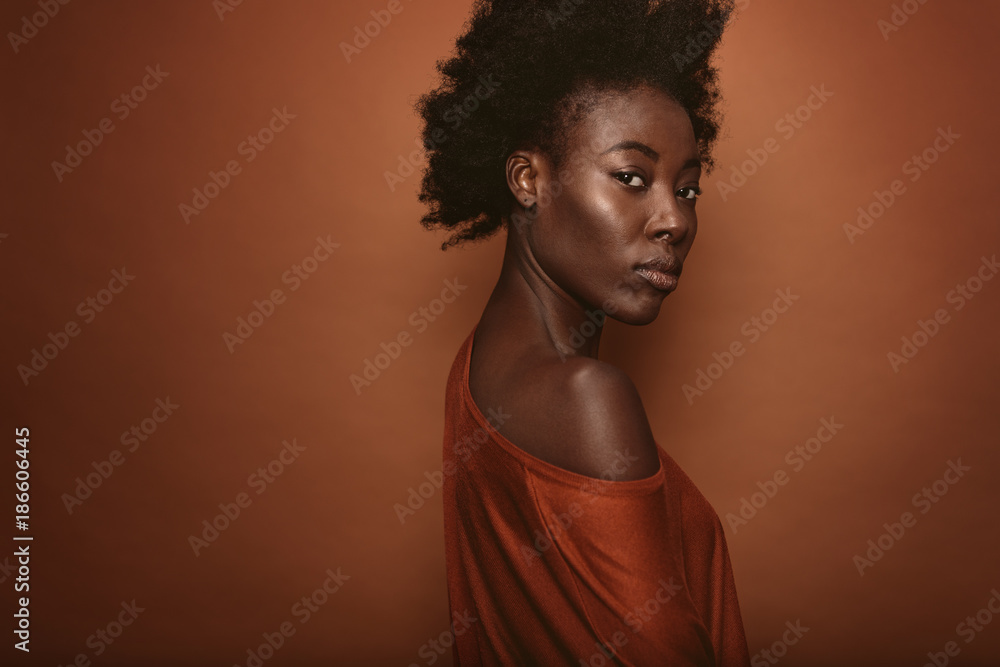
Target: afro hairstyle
518 68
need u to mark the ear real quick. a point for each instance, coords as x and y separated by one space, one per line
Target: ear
524 170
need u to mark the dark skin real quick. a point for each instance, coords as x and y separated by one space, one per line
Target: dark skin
624 195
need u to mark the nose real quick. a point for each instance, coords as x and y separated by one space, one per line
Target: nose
670 220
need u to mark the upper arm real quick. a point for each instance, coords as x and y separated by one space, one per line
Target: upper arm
596 424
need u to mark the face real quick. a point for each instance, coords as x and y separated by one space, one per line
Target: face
617 219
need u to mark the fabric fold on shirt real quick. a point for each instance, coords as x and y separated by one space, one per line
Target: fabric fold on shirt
560 568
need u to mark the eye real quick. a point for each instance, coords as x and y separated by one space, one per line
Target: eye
691 192
631 179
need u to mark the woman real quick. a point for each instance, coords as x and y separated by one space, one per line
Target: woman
580 127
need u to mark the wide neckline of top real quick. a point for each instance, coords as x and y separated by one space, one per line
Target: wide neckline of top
543 467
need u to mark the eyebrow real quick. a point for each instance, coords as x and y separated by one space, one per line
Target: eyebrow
631 145
634 146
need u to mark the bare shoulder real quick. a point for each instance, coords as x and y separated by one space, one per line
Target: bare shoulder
585 416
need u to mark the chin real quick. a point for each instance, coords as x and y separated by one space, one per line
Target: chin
638 314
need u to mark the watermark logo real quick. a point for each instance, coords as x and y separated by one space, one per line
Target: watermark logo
223 7
773 654
927 329
264 308
122 106
363 35
88 309
420 319
968 629
435 647
788 125
133 439
752 329
38 20
923 500
104 637
463 449
797 458
456 115
303 610
915 167
249 149
900 15
259 482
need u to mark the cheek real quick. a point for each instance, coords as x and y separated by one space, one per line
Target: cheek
589 216
692 231
582 242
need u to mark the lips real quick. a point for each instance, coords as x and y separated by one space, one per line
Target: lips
661 272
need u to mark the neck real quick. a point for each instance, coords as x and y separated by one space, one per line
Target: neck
526 300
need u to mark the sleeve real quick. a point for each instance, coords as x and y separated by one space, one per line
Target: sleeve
618 547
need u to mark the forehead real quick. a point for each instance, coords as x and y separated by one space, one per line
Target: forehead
643 114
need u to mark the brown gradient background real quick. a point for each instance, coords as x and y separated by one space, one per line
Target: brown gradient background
324 175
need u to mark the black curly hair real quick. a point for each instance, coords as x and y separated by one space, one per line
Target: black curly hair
524 70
